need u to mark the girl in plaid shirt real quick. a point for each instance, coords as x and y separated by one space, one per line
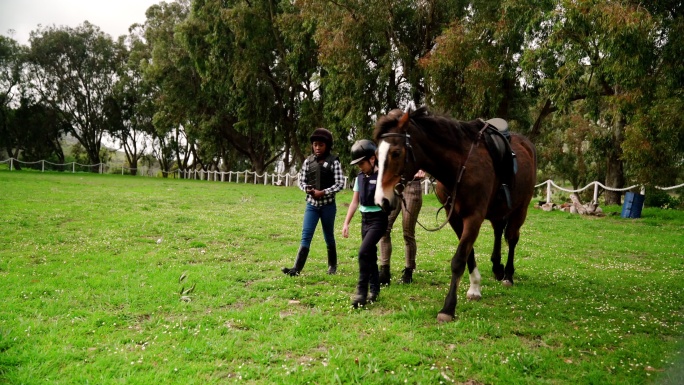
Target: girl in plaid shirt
321 178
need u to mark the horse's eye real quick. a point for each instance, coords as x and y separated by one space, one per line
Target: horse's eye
396 153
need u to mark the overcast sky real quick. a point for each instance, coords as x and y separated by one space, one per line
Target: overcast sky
112 16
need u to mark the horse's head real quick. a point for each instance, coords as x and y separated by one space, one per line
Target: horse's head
396 160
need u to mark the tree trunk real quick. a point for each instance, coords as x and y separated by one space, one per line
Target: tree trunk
615 176
14 155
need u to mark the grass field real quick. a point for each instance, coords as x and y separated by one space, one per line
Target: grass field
90 269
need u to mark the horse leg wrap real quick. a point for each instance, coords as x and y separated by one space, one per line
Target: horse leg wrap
474 293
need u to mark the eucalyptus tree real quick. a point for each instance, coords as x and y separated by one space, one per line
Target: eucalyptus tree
653 149
175 85
258 67
130 108
474 69
369 53
609 55
72 70
38 131
11 63
28 130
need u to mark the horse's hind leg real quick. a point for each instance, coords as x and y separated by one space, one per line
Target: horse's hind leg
512 236
510 267
497 267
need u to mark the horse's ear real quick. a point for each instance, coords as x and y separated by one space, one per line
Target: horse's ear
404 118
423 110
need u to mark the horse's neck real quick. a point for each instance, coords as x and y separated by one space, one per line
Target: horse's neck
441 154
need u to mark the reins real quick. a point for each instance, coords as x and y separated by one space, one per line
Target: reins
399 191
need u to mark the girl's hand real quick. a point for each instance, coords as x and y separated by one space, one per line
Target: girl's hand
318 194
345 230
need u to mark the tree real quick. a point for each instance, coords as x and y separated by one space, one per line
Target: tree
73 71
369 53
653 146
129 110
175 85
11 63
566 148
39 131
474 69
257 64
606 54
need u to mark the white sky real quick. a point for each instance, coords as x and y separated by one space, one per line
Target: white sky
112 16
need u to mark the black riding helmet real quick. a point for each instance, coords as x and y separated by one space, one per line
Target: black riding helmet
362 149
322 135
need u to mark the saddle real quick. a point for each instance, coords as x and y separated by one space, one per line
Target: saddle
498 140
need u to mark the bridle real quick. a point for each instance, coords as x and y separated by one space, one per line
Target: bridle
401 185
403 181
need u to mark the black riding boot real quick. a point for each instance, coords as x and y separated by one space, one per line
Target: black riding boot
361 291
374 283
332 261
407 276
302 254
385 275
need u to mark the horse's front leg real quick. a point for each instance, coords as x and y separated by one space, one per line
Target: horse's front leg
459 261
510 267
474 293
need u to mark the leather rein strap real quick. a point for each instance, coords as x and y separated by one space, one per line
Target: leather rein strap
399 187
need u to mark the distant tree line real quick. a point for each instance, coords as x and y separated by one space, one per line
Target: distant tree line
240 84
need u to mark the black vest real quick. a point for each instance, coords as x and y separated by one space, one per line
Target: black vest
321 175
367 186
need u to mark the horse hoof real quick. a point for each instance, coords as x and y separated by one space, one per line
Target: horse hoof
443 318
474 296
507 283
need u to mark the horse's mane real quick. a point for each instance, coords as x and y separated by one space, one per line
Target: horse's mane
439 126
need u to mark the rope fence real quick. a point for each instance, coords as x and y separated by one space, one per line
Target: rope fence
549 183
278 179
275 179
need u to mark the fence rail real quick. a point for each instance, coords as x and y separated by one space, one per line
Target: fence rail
549 183
218 176
290 179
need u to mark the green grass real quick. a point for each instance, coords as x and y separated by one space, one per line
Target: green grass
90 267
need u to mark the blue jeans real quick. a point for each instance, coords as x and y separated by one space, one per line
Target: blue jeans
326 214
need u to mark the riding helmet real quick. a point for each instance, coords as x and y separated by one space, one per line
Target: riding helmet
362 149
322 135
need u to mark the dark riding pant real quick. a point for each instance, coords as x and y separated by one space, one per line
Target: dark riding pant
373 227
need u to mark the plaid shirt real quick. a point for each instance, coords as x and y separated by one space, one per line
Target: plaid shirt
330 192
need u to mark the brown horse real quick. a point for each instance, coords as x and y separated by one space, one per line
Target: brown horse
473 184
